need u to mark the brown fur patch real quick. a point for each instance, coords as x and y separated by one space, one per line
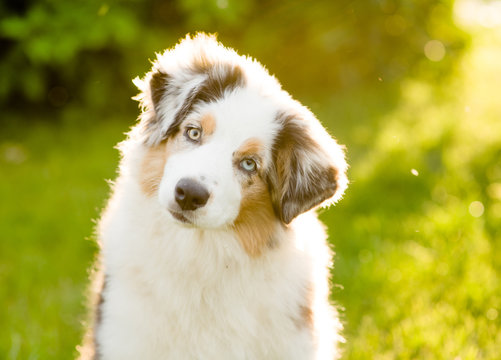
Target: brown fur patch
152 168
208 124
256 222
305 317
250 147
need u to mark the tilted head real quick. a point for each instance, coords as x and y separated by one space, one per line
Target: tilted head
226 147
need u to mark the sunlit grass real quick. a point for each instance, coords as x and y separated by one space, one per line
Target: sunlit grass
51 188
418 236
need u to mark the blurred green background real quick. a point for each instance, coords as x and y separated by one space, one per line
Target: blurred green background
411 88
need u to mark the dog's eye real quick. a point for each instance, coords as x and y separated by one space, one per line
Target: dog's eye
193 133
248 165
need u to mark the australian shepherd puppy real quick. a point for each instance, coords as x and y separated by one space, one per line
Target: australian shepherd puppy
210 246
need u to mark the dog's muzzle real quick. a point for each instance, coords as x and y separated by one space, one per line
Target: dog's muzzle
190 194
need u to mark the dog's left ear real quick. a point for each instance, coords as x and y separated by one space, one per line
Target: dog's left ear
308 169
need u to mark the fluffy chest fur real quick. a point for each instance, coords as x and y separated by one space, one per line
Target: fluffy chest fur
198 295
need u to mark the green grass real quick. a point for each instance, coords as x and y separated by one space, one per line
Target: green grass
52 187
417 236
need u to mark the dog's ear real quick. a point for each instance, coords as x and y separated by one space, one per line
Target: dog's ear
198 69
169 90
308 169
163 103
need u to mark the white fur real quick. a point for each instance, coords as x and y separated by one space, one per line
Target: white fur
241 116
178 291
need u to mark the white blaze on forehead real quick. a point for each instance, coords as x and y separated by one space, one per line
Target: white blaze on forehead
242 115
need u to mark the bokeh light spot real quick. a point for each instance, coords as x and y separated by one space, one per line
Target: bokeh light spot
476 209
14 153
222 4
434 50
492 314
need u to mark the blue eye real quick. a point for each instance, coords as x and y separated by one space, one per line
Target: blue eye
248 165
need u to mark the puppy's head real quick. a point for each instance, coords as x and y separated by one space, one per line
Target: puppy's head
227 147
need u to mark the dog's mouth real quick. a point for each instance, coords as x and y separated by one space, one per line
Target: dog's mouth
180 217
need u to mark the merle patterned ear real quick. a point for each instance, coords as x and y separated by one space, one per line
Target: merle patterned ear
159 82
196 70
153 93
158 89
306 172
166 100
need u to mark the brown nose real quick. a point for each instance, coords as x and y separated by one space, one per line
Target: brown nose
190 195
